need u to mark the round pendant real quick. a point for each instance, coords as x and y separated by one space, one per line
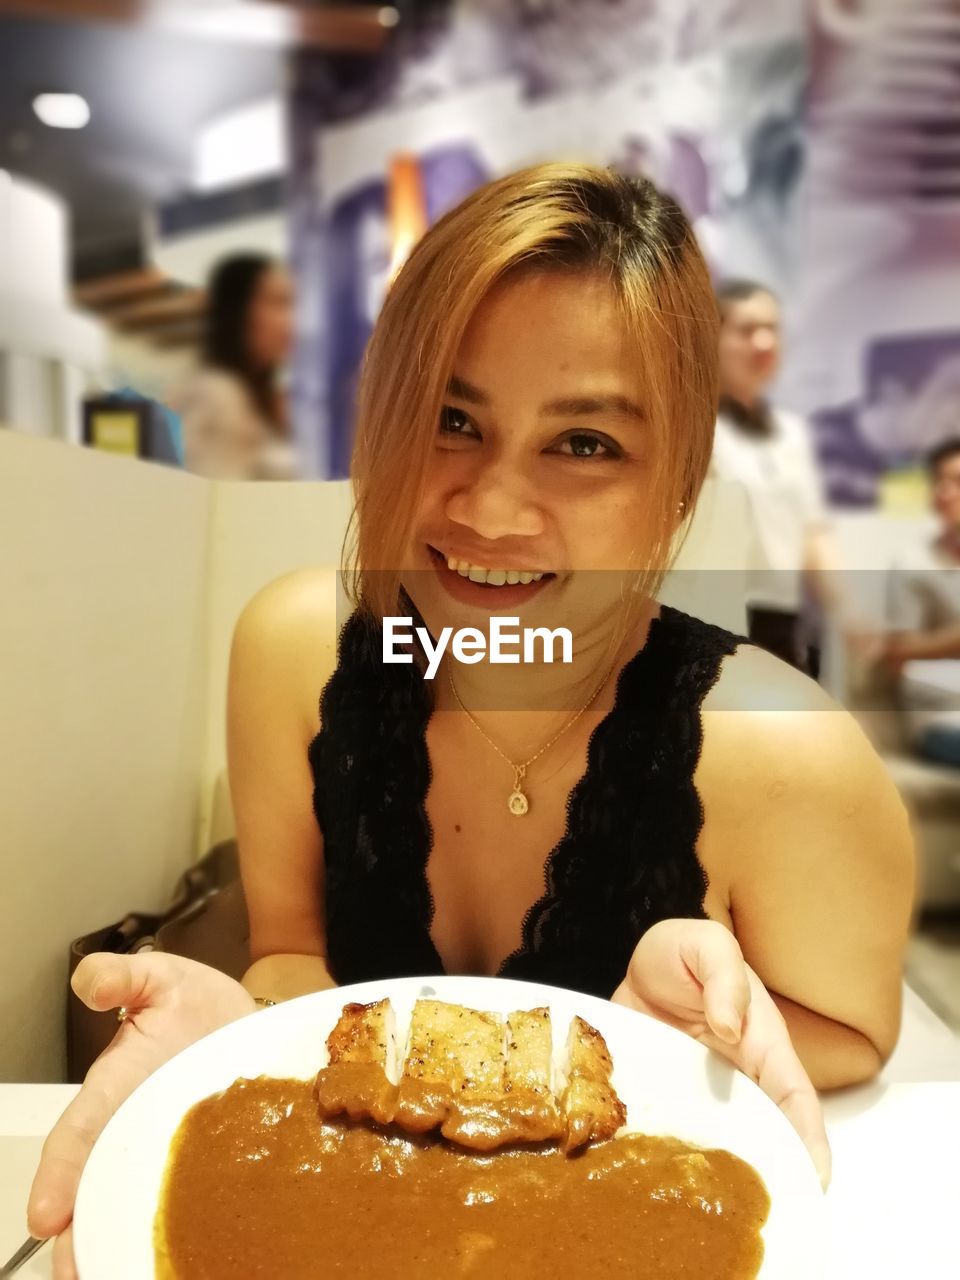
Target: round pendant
518 804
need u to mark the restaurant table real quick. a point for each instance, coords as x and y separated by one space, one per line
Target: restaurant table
893 1208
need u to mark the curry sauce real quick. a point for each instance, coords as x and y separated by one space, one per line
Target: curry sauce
258 1185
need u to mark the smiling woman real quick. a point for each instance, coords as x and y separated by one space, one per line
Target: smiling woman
557 334
693 829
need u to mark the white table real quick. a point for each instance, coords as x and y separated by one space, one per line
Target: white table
27 1113
893 1206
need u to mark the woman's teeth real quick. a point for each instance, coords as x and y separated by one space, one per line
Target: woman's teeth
492 577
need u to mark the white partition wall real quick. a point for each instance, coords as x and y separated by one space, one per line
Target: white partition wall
120 584
260 532
103 594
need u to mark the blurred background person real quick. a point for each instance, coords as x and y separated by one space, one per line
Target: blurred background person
769 452
921 652
233 408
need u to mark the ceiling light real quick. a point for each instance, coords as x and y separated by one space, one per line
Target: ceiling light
388 16
62 110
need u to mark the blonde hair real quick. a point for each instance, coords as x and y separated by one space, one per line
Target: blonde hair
572 217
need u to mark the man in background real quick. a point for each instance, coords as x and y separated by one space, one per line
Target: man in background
769 452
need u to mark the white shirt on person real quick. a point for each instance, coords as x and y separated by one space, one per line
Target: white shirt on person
778 471
225 436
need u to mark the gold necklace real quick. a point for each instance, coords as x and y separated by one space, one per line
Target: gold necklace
517 802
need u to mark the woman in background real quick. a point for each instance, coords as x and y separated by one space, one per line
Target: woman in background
233 410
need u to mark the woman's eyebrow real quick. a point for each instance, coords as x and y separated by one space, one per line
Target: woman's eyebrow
568 407
580 406
464 390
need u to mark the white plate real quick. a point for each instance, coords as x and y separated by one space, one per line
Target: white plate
670 1084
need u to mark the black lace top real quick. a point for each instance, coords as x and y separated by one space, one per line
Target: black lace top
626 860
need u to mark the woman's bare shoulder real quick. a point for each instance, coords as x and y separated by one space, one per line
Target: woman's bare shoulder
777 728
799 808
753 680
295 605
286 635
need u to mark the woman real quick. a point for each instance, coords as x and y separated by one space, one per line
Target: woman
233 410
535 421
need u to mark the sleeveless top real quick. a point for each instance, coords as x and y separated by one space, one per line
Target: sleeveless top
627 858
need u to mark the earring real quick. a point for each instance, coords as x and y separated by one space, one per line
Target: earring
681 507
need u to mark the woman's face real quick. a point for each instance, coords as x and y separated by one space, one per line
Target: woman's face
270 319
541 465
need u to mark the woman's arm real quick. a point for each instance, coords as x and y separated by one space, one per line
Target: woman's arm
834 1055
821 869
280 657
286 977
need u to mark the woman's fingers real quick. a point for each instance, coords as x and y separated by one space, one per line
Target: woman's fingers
800 1104
64 1154
171 1002
102 982
105 981
692 974
770 1058
64 1266
713 956
766 1054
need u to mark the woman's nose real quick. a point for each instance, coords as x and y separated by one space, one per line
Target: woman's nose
764 339
497 503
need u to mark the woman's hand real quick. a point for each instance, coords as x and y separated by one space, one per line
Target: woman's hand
170 1003
692 975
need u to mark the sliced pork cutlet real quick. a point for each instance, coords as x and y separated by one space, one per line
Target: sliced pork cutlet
360 1079
453 1074
529 1109
591 1109
484 1084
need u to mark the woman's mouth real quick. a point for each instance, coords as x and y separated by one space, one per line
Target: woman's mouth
484 586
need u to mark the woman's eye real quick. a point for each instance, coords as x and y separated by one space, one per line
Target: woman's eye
454 422
587 445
